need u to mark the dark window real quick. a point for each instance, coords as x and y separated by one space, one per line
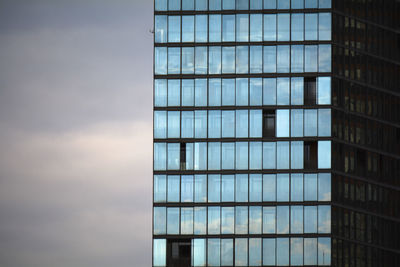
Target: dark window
183 156
178 253
268 123
310 91
310 155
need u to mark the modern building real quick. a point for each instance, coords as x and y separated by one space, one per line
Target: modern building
276 133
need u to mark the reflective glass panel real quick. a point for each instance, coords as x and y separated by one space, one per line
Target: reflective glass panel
256 4
172 221
213 252
242 123
160 124
173 188
160 156
160 93
187 4
324 90
242 156
214 124
174 91
325 3
324 251
296 219
242 4
310 251
200 93
283 4
256 91
310 58
200 60
296 155
255 218
282 123
283 59
296 125
282 219
228 123
228 59
228 156
269 220
324 154
324 219
214 188
160 35
283 91
296 251
228 188
310 187
174 60
255 188
269 59
310 122
256 24
201 28
200 123
242 188
269 91
187 188
255 155
174 29
199 252
160 220
214 92
173 162
241 220
311 26
296 187
282 187
160 60
214 156
297 27
324 28
256 123
200 156
310 219
256 59
241 252
200 220
242 92
215 4
269 4
187 92
269 155
215 30
174 4
255 251
160 5
200 188
226 252
160 188
283 26
228 28
297 58
324 186
189 157
187 60
214 220
282 251
242 27
242 59
228 4
324 122
297 90
297 4
269 26
227 220
187 28
201 4
269 187
187 221
159 252
174 124
324 58
228 92
311 3
269 251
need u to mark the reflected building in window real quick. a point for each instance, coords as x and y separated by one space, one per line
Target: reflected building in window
276 133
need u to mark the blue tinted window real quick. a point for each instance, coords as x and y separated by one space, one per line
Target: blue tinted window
173 158
228 92
214 188
283 91
297 4
296 187
256 59
160 156
187 221
269 59
310 58
269 251
324 90
188 92
297 27
214 66
269 4
174 4
242 59
297 94
283 27
215 4
214 156
160 35
187 28
269 220
269 155
311 4
201 4
324 122
227 221
283 58
213 252
256 123
227 252
241 188
173 221
160 93
228 28
201 60
199 252
256 4
282 187
255 251
187 60
242 156
282 219
282 251
256 189
242 27
310 122
282 123
269 27
311 26
324 219
256 92
187 188
324 154
228 123
173 124
242 92
228 188
160 5
160 124
242 123
160 220
200 156
283 4
242 4
187 4
174 29
200 93
160 188
174 60
297 58
310 219
228 4
214 124
256 24
228 156
159 251
324 251
296 123
296 251
189 157
255 155
214 92
187 124
310 187
200 188
269 91
269 187
215 30
214 214
228 59
324 58
310 251
200 221
324 28
201 28
282 155
325 3
241 221
296 154
160 60
324 186
241 251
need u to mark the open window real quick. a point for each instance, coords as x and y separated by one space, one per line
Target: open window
183 156
310 155
268 123
310 91
179 252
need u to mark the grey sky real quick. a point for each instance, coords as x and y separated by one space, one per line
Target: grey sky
75 133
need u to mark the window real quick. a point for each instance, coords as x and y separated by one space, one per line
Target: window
310 155
268 123
310 91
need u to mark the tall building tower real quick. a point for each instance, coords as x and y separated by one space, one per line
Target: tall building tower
276 133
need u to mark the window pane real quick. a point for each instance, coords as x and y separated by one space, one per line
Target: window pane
228 92
269 59
189 157
256 123
200 156
296 217
242 27
201 28
160 60
200 60
215 30
188 5
255 91
269 27
255 220
228 4
214 156
297 90
200 220
200 188
214 92
324 59
254 251
255 59
325 26
228 156
160 188
283 26
242 59
187 92
282 219
297 27
215 4
242 156
241 252
173 124
214 124
160 29
296 251
255 155
310 187
311 26
255 188
282 155
228 59
187 124
297 4
297 59
214 188
324 186
200 93
174 92
283 4
310 219
200 123
160 156
310 122
187 28
325 3
310 251
159 252
213 253
310 56
242 123
160 124
242 4
172 221
160 220
187 60
282 251
283 58
227 220
187 188
241 220
174 29
269 155
324 154
160 5
242 92
269 4
311 4
269 220
296 154
199 252
283 91
228 188
324 251
173 156
174 4
201 4
256 4
228 123
256 27
213 220
269 251
228 28
269 187
173 188
324 90
269 91
187 221
282 123
283 187
296 187
296 123
226 252
324 219
324 122
160 93
241 188
174 60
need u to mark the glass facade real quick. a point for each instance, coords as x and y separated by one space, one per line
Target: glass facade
243 133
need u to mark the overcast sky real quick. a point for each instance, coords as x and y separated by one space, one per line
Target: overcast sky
75 133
